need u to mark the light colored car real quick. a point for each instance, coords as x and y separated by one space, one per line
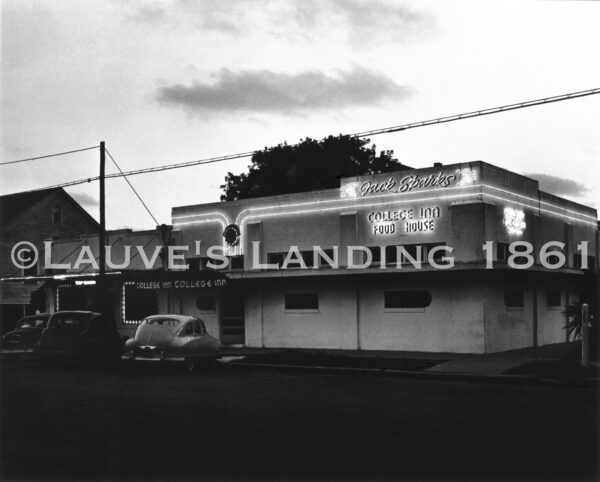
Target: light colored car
173 338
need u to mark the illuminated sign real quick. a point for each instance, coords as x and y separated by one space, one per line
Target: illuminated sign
408 183
408 220
514 221
231 234
85 282
179 284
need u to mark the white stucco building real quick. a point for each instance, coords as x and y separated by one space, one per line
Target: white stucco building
465 308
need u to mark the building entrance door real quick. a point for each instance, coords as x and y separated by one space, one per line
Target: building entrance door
232 321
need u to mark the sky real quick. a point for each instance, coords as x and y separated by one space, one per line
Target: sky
178 80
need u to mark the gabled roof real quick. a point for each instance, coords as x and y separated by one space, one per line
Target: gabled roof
14 205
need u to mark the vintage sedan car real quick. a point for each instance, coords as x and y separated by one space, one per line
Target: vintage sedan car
173 338
26 334
85 336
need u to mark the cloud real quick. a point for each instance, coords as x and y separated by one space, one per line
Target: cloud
266 91
559 185
371 21
85 199
360 22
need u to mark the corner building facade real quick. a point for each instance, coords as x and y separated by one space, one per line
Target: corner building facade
475 208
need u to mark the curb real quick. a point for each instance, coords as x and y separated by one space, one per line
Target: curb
421 375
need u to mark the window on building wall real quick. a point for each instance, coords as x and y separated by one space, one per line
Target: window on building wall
275 258
578 261
195 264
438 255
375 255
553 259
307 257
56 215
501 251
553 299
206 303
138 303
413 251
302 301
322 262
514 299
70 298
391 254
236 262
406 299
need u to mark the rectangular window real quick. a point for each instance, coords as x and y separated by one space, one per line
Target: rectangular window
236 262
553 299
375 255
302 301
391 255
138 303
307 257
412 250
275 258
56 215
514 299
195 264
438 255
323 263
578 261
206 303
501 251
409 300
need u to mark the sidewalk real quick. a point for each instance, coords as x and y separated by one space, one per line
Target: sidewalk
553 364
503 362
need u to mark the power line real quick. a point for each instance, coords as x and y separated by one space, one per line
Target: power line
48 155
477 113
386 130
131 186
152 169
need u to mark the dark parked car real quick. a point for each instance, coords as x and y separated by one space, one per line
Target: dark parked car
85 336
26 334
173 338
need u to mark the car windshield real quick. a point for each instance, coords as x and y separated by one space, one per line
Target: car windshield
71 320
33 322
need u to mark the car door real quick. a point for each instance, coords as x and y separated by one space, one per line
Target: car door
62 333
204 343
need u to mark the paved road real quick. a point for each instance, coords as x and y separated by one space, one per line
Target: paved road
242 423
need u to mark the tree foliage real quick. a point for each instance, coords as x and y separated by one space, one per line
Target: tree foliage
307 166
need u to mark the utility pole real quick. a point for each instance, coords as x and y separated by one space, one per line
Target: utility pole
102 234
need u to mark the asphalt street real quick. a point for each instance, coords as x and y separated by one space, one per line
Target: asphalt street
64 421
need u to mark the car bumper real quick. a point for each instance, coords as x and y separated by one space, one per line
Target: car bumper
153 358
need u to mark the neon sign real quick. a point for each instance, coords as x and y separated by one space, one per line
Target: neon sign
386 222
409 183
514 221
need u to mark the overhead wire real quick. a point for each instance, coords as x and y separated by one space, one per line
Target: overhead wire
386 130
49 155
131 186
477 113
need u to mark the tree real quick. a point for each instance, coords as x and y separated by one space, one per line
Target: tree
573 322
307 166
